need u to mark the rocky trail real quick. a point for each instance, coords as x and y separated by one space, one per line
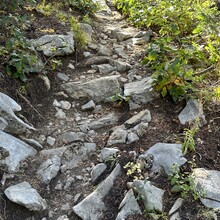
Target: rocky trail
71 163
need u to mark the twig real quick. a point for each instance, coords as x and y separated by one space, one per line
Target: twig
203 71
28 102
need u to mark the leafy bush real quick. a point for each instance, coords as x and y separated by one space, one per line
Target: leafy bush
187 49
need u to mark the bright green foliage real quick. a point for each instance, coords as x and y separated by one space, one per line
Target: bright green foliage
187 42
85 6
183 183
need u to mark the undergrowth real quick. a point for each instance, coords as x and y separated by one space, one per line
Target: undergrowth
185 55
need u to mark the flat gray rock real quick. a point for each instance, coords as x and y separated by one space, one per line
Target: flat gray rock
107 153
207 184
178 203
142 116
93 206
97 171
106 68
128 206
141 92
55 45
121 35
18 151
88 106
119 136
191 112
165 155
23 194
49 169
151 195
120 66
10 122
98 89
70 136
132 137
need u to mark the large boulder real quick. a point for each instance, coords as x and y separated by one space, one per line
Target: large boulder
98 89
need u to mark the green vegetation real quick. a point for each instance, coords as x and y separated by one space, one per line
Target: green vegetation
185 55
17 56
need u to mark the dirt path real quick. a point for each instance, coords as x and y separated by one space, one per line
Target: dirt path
77 130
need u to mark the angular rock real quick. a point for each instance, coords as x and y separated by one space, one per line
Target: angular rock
63 77
166 155
128 206
104 121
104 51
106 68
97 171
49 169
51 141
207 185
103 7
120 66
23 194
121 53
33 143
121 35
140 129
143 116
52 152
93 61
141 92
97 89
3 124
88 106
71 136
60 114
65 105
178 203
151 195
87 29
93 206
55 45
107 153
14 124
18 151
119 136
191 112
132 137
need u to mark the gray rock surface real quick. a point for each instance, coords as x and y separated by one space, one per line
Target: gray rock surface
3 124
97 171
18 151
128 206
88 106
141 92
63 77
142 116
14 124
121 35
166 155
23 194
207 185
132 137
178 203
69 137
93 206
107 153
49 169
120 66
105 68
97 89
191 112
55 45
119 136
87 29
151 195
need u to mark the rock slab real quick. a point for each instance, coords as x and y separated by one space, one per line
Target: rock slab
23 194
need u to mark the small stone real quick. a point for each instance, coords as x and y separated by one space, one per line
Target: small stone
69 182
107 153
86 54
51 141
88 106
56 104
60 114
42 138
63 77
118 136
97 171
49 169
65 105
63 217
132 137
65 207
178 203
77 197
71 66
